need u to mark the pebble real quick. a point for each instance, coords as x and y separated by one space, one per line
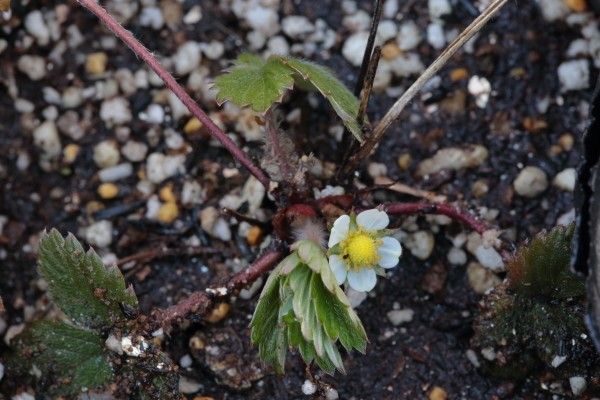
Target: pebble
409 36
264 20
115 111
489 258
553 10
578 385
70 152
297 26
457 256
420 244
453 158
168 212
185 361
254 236
36 27
437 393
399 317
178 109
278 45
213 50
152 17
108 190
46 138
191 193
435 35
23 396
389 52
354 47
387 30
193 16
309 388
530 182
376 170
154 114
221 230
480 278
481 88
160 167
115 173
106 154
218 313
565 180
358 21
99 233
134 151
574 75
192 126
114 344
557 361
72 97
438 8
188 385
576 5
32 66
253 192
24 106
187 58
406 64
95 63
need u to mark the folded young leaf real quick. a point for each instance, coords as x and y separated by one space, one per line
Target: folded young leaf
324 81
75 358
81 286
254 82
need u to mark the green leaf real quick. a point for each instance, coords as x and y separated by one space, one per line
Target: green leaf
268 331
254 82
324 81
541 268
74 357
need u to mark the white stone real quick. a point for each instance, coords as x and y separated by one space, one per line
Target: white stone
213 50
297 26
557 361
574 75
178 109
278 45
489 258
154 114
191 193
185 361
376 170
399 317
435 35
488 353
331 393
358 21
116 172
113 344
221 230
99 233
565 179
530 182
480 278
420 244
253 192
188 385
409 36
406 64
387 30
23 396
24 106
354 48
36 27
472 357
567 218
390 8
439 8
32 66
160 167
115 111
46 138
263 19
193 16
134 151
453 158
72 97
187 58
578 385
457 256
152 17
553 10
309 388
106 154
481 88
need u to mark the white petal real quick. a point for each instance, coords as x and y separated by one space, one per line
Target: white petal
373 220
362 280
339 231
338 267
389 252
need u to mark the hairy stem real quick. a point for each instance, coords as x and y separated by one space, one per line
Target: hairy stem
200 302
142 52
393 113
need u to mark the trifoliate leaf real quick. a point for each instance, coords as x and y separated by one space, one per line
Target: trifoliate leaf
541 268
81 286
254 82
324 81
72 357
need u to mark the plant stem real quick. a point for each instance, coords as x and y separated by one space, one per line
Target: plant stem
200 302
393 113
143 53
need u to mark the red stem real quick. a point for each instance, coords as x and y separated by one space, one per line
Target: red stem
200 302
143 53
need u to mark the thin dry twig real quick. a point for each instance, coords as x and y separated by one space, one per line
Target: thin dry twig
393 113
387 183
365 93
142 52
369 48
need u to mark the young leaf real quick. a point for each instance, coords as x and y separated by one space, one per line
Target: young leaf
324 81
254 82
84 289
541 268
74 357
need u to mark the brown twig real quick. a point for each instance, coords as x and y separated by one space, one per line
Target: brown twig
241 217
388 184
365 93
367 148
200 302
369 49
142 52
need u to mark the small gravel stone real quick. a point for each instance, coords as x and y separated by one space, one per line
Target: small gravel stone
36 27
95 63
387 30
106 154
264 20
565 180
253 192
489 258
453 158
191 193
187 58
354 47
115 173
115 111
160 167
113 344
530 182
46 138
420 244
193 16
578 385
409 36
439 8
134 151
32 66
152 17
574 75
188 385
278 45
99 233
185 361
481 88
376 170
297 26
309 388
213 50
557 361
553 10
480 278
406 64
72 97
435 35
221 230
399 317
457 256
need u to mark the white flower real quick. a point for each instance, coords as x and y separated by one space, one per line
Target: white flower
359 248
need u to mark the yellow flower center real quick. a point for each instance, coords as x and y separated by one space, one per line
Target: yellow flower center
361 249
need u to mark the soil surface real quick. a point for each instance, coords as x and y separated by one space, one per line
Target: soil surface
527 121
